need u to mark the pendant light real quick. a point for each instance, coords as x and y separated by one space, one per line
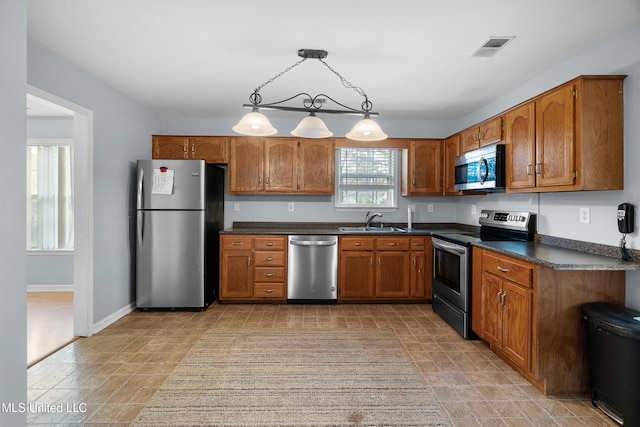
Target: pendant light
311 127
256 124
366 130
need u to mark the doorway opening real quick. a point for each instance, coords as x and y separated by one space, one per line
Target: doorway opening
53 122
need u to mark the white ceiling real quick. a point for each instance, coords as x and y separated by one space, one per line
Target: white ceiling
203 58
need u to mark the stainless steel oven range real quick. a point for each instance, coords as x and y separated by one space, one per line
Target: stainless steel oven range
451 295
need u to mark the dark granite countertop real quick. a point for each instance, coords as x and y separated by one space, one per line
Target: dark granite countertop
334 228
558 258
551 252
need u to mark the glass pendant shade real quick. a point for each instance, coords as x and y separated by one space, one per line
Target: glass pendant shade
366 130
311 127
254 124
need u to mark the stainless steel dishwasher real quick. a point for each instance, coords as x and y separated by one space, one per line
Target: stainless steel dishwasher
313 269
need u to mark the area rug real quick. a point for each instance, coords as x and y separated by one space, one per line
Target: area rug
281 377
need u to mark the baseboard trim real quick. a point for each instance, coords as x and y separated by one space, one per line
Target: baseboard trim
50 288
112 318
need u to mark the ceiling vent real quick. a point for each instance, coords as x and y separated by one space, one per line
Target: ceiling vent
492 46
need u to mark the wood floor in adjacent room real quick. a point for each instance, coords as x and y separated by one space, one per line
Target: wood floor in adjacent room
49 323
113 374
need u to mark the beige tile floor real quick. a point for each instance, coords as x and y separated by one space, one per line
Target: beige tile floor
107 379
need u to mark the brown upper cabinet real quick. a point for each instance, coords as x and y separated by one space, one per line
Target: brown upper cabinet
488 132
451 151
212 149
280 165
569 138
422 168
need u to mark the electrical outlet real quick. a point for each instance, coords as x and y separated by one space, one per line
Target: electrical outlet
236 207
585 215
429 207
412 207
290 207
473 209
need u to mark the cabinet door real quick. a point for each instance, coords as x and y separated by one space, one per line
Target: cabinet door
212 149
517 318
356 275
521 145
492 309
316 165
169 147
236 277
392 275
246 165
490 132
425 168
555 142
469 139
451 150
418 275
281 171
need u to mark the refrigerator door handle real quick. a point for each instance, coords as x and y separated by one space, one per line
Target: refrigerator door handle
139 192
140 228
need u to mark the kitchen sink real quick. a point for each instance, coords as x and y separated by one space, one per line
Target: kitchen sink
372 229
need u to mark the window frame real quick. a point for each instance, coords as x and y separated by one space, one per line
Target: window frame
51 142
395 188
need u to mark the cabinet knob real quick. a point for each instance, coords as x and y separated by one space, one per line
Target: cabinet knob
269 244
357 244
237 243
268 291
268 258
393 244
504 270
268 274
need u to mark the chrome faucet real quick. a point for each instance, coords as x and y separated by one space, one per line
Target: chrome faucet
369 217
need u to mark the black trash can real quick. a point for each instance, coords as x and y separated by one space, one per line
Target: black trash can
613 341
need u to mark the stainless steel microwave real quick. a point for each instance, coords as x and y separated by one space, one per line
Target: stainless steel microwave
481 169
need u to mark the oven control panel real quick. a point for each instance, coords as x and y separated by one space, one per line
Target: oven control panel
507 219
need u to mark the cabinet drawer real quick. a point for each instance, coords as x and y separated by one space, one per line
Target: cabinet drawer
513 270
268 290
270 242
392 244
418 243
356 244
266 259
236 242
268 274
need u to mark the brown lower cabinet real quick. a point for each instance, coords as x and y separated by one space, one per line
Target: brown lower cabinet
253 268
529 315
384 268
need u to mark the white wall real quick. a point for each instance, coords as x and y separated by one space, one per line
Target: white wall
13 305
122 134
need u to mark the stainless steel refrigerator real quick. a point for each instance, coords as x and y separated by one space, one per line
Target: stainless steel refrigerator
180 211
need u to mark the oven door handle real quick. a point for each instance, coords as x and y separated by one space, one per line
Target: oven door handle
451 248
